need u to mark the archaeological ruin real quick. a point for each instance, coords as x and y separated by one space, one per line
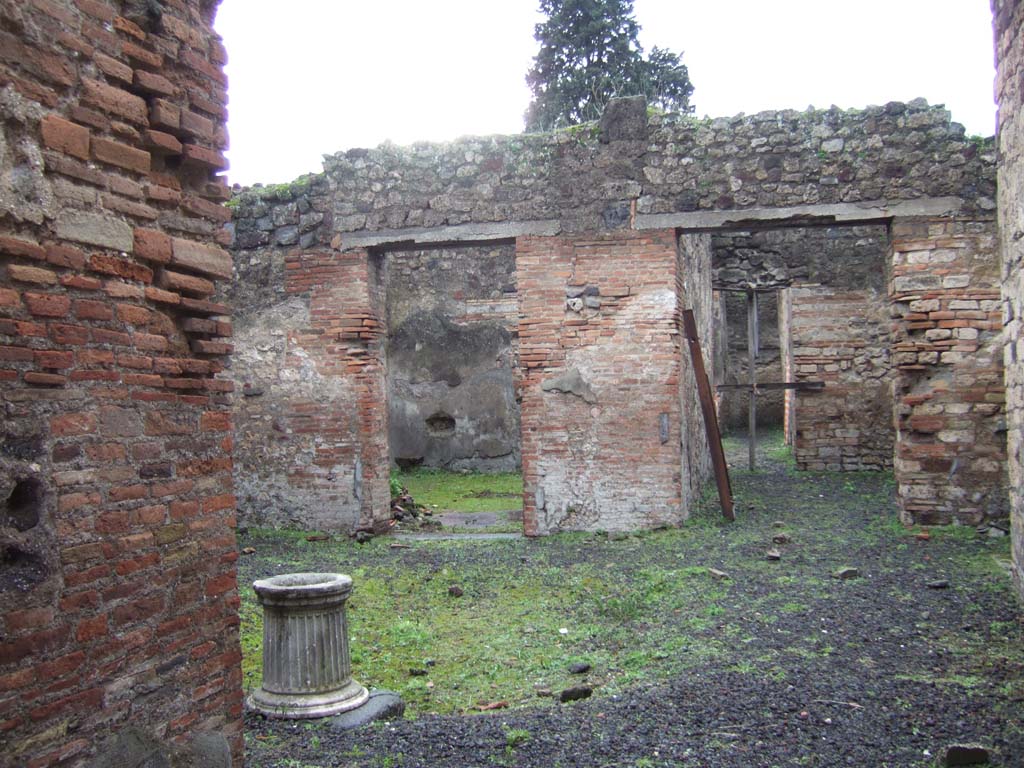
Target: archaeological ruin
896 311
172 364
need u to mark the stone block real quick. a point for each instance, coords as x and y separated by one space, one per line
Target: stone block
208 259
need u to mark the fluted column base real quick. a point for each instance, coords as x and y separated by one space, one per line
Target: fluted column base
300 706
307 671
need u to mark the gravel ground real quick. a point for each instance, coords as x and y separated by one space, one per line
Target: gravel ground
886 669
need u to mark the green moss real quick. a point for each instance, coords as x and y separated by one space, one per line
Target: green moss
273 193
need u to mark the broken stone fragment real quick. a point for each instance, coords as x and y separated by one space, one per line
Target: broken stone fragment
938 584
846 573
381 705
570 383
579 668
575 693
966 754
773 554
717 574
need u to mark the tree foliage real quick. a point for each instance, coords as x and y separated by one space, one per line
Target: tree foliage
589 53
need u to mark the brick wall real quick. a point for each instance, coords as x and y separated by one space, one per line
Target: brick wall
600 358
615 181
312 418
951 457
117 546
1009 27
840 337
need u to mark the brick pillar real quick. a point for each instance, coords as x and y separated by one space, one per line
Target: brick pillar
951 443
341 462
600 363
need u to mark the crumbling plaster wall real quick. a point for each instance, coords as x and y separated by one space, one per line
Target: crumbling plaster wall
452 319
1009 36
119 621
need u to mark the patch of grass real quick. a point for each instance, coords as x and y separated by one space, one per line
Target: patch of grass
463 492
643 608
504 637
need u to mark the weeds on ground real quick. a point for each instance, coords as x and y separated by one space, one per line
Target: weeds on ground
638 608
463 492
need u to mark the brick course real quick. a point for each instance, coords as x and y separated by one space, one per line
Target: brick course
947 349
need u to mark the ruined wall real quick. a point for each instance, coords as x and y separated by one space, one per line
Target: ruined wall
299 452
841 337
1009 30
674 164
311 420
117 549
601 358
452 321
693 291
951 455
853 257
629 175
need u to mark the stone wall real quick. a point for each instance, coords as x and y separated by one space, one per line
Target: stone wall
841 337
1009 30
595 177
117 545
452 319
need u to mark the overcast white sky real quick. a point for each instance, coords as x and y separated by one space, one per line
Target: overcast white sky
312 77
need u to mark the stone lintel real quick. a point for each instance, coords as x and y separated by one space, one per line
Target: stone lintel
458 233
824 214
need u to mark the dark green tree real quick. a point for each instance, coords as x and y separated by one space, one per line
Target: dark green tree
589 53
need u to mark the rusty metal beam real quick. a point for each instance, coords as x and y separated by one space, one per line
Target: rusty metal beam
771 385
707 406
